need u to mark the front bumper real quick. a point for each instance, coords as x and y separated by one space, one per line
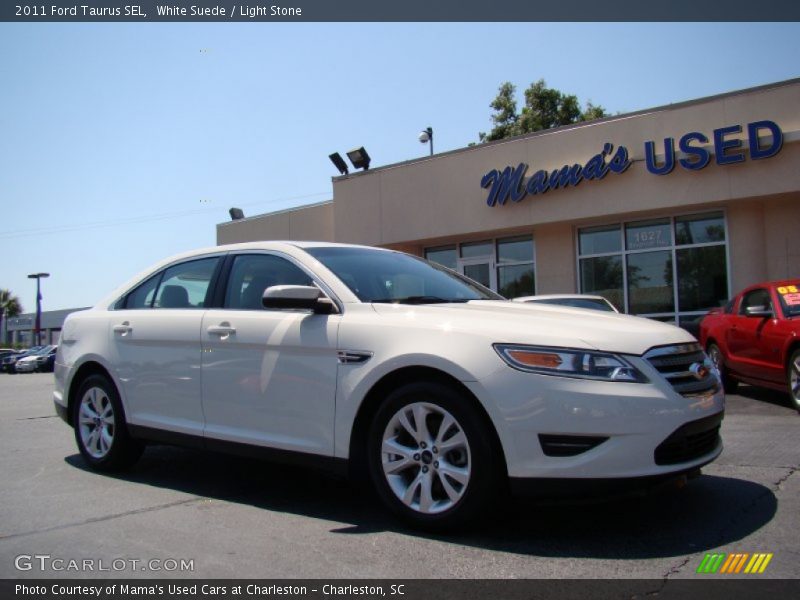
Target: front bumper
632 420
25 367
587 491
61 411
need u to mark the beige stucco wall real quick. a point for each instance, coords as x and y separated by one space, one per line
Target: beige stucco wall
555 259
305 223
782 236
746 247
764 244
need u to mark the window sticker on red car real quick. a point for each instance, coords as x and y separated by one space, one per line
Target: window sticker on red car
792 299
787 289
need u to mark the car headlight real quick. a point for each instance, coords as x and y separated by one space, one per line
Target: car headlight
568 362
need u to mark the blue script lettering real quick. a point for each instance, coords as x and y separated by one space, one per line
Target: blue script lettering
508 183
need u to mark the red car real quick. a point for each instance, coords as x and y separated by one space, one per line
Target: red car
755 338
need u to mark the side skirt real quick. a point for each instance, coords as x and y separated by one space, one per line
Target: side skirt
331 464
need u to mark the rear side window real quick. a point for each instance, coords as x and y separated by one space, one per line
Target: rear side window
186 285
251 274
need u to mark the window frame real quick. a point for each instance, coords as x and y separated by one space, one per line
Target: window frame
121 302
677 315
221 290
493 259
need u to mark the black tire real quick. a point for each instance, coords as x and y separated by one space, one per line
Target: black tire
455 503
122 451
793 379
729 384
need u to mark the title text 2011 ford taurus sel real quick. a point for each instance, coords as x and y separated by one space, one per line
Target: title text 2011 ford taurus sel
439 387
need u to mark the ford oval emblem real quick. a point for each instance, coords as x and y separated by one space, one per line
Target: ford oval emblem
699 370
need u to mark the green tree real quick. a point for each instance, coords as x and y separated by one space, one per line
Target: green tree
10 306
544 108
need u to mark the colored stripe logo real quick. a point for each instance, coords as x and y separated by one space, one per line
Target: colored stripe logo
737 562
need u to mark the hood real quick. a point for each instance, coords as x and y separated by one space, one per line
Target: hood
542 324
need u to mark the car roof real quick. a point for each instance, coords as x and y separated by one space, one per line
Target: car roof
776 283
280 244
288 247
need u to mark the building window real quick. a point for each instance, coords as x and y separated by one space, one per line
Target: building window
504 265
515 274
446 256
671 269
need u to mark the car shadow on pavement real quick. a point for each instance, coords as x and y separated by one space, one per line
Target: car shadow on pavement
766 396
709 512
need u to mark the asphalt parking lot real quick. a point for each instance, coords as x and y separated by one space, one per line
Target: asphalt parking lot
241 518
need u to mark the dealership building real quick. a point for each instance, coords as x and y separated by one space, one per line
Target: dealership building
666 211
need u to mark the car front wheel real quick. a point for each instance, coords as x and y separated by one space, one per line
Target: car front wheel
100 430
715 354
794 379
430 456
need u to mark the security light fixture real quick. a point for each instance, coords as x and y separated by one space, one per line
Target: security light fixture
339 163
236 214
359 158
425 136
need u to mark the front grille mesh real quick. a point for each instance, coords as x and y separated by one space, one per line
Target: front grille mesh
690 441
675 365
568 445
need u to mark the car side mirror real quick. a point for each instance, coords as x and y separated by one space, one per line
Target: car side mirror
759 311
306 297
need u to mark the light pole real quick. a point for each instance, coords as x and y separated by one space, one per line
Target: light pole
38 327
425 136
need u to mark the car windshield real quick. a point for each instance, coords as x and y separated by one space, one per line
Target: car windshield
382 276
591 303
790 299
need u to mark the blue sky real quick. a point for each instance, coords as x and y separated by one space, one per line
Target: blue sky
121 144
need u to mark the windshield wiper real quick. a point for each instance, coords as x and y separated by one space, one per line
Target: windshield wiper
421 300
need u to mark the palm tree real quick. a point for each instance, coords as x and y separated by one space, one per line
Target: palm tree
10 306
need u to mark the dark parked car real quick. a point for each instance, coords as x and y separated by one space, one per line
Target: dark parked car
41 361
9 364
6 352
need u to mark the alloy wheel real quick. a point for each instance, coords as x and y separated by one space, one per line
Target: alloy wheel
716 357
96 422
794 379
426 458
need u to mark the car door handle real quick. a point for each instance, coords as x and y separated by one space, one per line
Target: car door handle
123 328
223 329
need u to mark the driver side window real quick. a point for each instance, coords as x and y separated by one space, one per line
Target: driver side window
756 299
251 274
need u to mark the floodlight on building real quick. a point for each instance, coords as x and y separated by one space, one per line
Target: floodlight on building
339 163
236 214
359 158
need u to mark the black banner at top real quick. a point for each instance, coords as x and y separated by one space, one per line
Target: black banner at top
142 11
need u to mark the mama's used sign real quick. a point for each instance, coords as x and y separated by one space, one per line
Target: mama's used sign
695 148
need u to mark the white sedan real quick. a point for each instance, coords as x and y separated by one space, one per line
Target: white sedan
380 363
573 300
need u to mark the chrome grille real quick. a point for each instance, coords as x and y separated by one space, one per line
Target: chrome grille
685 366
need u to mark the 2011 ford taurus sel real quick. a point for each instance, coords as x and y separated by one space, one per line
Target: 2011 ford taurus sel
438 388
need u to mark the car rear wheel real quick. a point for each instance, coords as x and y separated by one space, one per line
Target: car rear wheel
794 379
715 354
100 429
430 456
